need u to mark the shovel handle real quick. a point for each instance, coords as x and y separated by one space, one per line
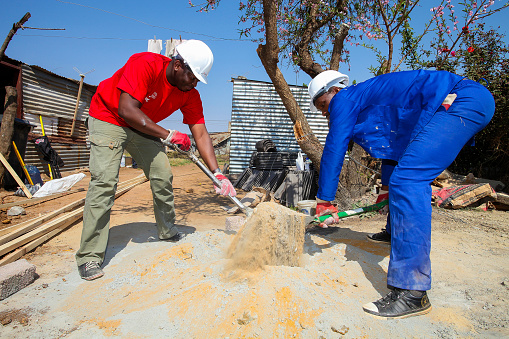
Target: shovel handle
212 177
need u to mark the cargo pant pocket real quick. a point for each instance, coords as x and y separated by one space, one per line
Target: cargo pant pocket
105 155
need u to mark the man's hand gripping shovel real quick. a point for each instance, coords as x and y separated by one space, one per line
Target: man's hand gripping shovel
247 211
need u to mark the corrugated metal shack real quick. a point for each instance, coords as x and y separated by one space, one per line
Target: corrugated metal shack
42 93
258 113
54 98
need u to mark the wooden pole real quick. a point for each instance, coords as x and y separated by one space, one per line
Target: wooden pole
22 163
77 104
13 31
15 176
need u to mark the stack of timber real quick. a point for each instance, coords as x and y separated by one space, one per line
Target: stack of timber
20 239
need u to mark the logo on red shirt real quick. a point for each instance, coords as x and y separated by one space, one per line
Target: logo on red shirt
151 96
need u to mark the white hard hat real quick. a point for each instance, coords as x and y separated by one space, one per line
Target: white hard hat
323 82
198 56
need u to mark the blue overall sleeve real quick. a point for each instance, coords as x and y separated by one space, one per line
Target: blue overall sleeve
343 116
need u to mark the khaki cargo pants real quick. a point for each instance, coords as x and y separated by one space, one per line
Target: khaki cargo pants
107 144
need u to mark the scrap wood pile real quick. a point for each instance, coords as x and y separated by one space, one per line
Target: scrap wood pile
455 191
17 240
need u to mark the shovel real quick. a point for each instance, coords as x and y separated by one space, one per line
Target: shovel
311 220
246 210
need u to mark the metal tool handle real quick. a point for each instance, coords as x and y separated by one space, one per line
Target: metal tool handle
205 170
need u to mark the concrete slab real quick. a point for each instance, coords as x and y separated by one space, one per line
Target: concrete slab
15 276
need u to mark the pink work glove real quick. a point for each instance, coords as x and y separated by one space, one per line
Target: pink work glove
226 188
324 208
383 195
181 140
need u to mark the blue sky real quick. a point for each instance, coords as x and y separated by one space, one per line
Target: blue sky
97 39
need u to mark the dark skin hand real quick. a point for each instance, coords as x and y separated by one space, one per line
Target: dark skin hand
180 76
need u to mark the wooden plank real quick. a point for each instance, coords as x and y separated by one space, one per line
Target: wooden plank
29 225
502 198
33 201
132 180
15 176
40 231
11 257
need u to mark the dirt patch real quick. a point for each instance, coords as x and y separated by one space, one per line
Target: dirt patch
14 317
159 289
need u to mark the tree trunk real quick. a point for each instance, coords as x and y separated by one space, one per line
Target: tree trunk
269 56
7 128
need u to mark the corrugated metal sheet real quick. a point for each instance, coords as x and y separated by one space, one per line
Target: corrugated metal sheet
54 98
74 156
258 113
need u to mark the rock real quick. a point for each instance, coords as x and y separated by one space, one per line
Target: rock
505 283
16 210
15 276
246 318
343 330
234 223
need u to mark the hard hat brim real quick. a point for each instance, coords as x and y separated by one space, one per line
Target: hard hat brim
200 77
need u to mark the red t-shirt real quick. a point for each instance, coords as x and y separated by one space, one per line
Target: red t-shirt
144 78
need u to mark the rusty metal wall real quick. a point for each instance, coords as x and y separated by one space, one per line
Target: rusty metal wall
54 98
74 156
258 113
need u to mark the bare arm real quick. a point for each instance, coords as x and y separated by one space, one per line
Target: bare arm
204 144
129 110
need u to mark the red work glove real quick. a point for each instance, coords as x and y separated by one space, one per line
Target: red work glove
324 208
383 195
226 188
178 139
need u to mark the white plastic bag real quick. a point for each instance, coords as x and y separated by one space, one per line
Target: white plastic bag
58 185
299 162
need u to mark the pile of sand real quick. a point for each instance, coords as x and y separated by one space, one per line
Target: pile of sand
273 235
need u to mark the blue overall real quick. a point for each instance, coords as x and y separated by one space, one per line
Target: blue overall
399 117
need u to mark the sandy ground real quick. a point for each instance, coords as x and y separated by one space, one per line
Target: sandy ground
154 289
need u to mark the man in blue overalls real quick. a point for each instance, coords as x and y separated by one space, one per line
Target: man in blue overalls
416 122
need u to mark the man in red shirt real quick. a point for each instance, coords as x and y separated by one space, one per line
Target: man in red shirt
124 113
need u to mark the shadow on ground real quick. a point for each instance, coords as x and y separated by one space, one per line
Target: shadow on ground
137 232
366 253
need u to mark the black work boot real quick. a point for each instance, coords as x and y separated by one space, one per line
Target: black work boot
380 237
399 303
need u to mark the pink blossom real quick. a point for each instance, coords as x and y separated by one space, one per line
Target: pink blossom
453 53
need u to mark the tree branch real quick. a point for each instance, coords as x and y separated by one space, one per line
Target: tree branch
339 39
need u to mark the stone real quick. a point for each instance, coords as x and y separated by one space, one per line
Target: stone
16 276
16 210
235 223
